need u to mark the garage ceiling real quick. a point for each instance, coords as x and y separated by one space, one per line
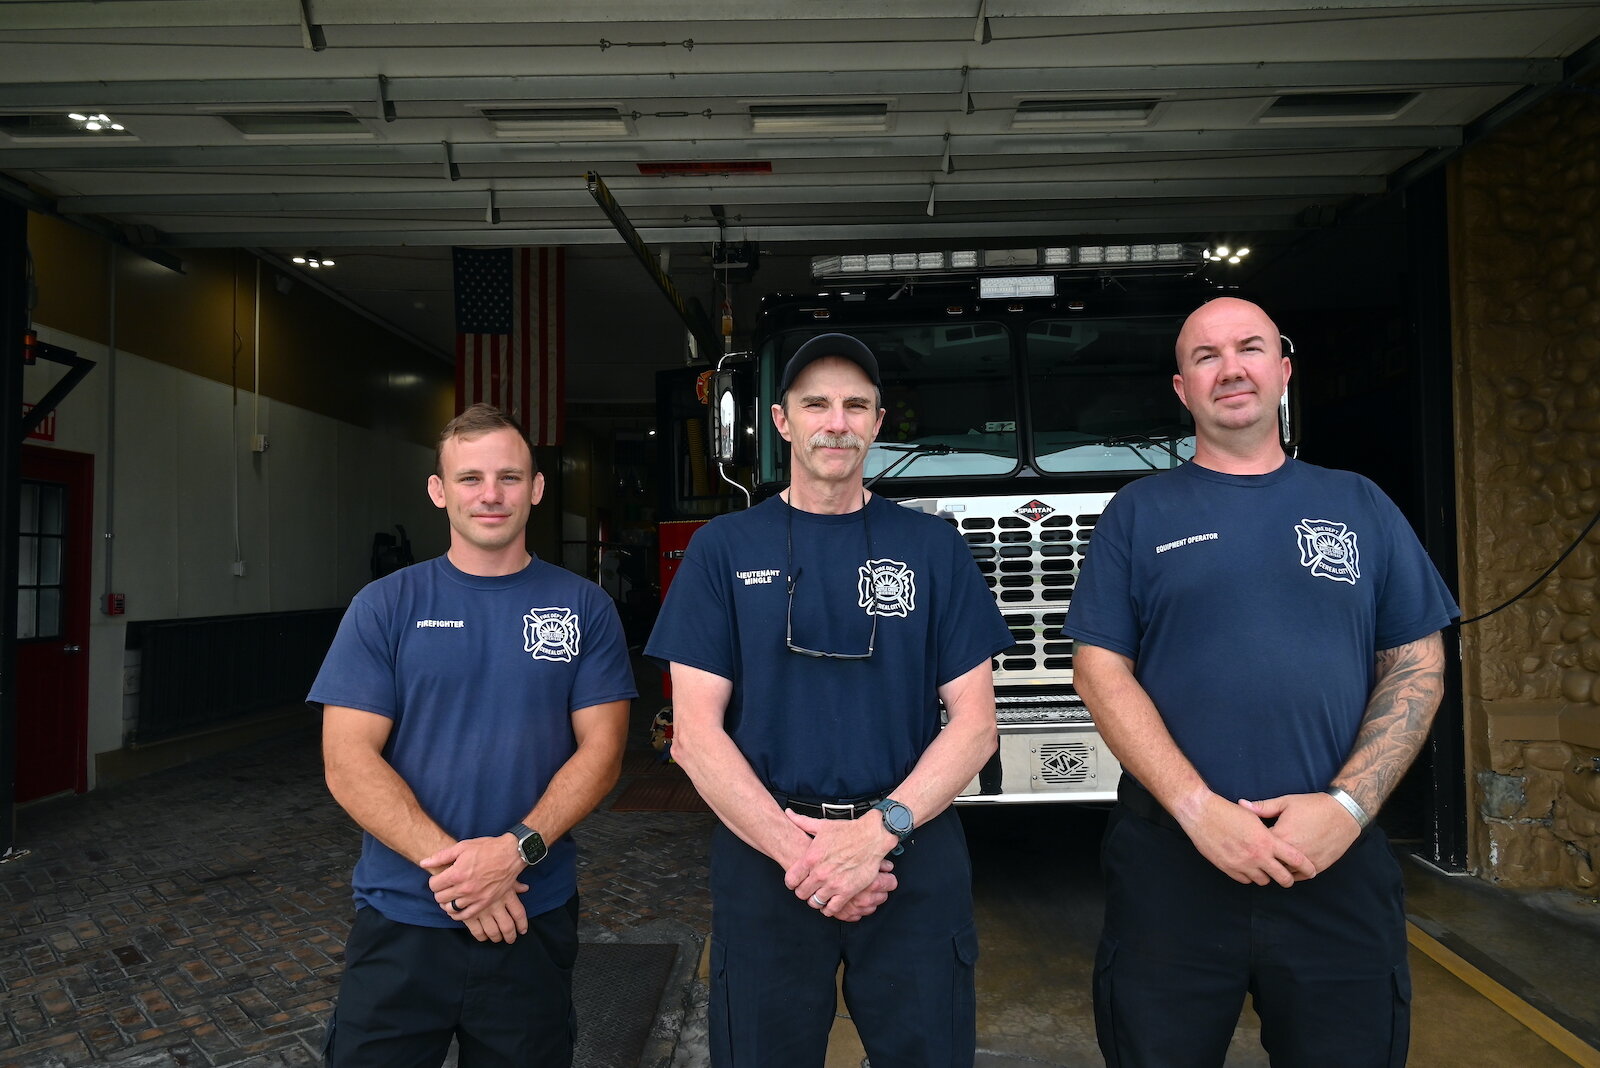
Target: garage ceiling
380 132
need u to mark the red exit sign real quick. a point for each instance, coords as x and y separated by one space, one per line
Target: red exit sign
46 430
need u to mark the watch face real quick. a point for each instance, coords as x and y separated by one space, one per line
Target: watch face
533 848
897 818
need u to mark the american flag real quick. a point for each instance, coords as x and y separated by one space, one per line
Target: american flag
511 335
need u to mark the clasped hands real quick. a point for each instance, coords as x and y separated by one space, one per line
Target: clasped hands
843 870
1309 833
475 881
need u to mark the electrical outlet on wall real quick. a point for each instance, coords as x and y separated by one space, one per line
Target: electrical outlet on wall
238 569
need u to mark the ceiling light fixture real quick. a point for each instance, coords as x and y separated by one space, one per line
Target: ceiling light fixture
314 260
99 122
1227 254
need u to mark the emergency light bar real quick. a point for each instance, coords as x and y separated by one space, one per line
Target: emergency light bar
1013 286
1011 260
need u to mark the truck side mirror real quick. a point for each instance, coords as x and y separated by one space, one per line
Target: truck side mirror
724 417
1289 407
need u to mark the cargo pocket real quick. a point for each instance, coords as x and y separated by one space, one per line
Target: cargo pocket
719 1034
1104 1017
1400 1025
964 996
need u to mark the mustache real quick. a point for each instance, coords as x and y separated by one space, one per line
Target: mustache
846 440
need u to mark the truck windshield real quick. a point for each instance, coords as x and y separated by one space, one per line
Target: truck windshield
1101 398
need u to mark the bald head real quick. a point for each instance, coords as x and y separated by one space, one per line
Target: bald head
1239 320
1231 374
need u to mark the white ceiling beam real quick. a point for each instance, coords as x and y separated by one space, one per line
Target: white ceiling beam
585 154
1207 218
1276 77
657 194
35 15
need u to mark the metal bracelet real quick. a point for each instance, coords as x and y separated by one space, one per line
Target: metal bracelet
1351 805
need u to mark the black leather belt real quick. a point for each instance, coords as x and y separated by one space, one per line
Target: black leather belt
848 809
1132 795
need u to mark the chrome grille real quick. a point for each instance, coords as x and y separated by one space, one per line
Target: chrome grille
1045 708
1032 573
1031 567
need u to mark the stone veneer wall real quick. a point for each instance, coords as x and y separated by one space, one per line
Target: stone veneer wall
1525 262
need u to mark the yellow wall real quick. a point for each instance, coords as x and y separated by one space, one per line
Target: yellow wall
316 354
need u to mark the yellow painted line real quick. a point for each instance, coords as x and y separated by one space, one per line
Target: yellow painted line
1568 1043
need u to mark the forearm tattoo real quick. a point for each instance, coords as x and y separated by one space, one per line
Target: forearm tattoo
1399 712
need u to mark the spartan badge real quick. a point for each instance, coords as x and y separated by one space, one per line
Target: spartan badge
550 634
1329 550
1035 510
886 588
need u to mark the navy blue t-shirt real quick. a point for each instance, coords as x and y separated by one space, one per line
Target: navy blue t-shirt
1253 607
825 728
480 675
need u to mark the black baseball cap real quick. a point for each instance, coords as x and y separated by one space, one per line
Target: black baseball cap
841 345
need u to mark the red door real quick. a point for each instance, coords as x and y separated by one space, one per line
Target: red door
53 622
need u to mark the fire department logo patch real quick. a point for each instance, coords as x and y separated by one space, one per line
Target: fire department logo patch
1329 549
886 588
550 634
1035 510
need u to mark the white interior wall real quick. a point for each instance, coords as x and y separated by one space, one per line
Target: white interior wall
307 508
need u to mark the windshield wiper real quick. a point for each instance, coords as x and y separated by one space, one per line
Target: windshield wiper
1137 443
915 451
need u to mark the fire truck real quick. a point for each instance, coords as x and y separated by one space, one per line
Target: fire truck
1023 388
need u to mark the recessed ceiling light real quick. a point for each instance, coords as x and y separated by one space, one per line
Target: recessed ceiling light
813 117
589 121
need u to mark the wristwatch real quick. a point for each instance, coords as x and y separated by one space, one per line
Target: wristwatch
529 843
897 819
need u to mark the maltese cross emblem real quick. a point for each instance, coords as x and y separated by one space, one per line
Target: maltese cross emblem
1328 549
550 634
886 588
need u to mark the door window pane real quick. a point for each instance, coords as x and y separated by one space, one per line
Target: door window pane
27 561
49 614
40 548
27 614
49 561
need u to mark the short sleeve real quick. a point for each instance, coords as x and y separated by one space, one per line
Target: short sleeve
604 673
358 671
1102 611
693 626
971 628
1414 601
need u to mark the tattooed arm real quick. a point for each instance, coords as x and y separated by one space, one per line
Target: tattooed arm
1399 712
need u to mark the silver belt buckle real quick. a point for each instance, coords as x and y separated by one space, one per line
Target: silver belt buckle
838 810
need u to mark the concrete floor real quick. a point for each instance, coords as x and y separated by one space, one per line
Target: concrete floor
196 917
1039 904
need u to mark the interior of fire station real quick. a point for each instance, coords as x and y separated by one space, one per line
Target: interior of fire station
238 444
252 435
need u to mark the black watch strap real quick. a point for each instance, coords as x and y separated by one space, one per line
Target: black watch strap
530 843
898 820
